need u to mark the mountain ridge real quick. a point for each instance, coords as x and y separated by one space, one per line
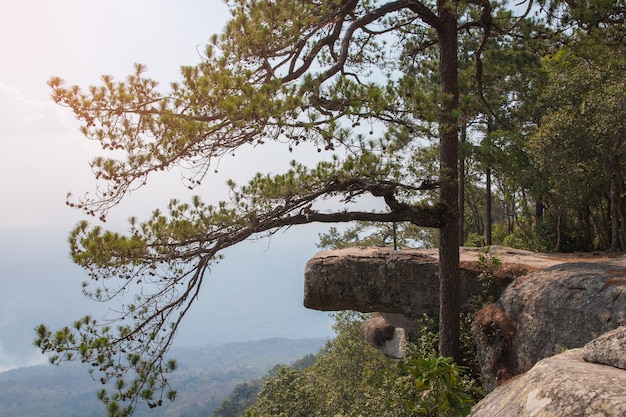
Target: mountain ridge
206 376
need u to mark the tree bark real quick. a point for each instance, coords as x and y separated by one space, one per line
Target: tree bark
488 222
449 303
462 189
538 213
622 219
614 194
614 217
559 218
489 155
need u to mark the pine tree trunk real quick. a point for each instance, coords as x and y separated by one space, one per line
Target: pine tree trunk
488 225
614 217
449 297
488 217
462 189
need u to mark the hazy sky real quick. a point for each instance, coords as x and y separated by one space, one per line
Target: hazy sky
44 156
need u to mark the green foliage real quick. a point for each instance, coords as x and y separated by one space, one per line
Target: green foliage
488 265
579 148
284 395
134 376
345 379
242 397
352 378
475 240
437 387
565 155
360 80
394 235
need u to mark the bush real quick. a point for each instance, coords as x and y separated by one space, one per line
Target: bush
436 387
352 378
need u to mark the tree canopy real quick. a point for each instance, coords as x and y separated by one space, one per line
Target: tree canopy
362 81
350 377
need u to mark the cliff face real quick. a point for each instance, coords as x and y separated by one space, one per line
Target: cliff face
403 282
545 302
540 314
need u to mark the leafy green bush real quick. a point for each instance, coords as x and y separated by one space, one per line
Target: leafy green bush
436 387
488 265
352 378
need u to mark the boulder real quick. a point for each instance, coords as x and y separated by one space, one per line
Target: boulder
561 307
563 385
381 334
608 349
579 382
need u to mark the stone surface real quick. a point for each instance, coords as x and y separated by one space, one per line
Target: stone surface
608 349
404 282
563 385
371 280
564 302
391 340
563 306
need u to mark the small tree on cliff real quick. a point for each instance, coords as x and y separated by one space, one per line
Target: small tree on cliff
283 70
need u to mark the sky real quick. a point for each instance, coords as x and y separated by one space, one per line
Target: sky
256 292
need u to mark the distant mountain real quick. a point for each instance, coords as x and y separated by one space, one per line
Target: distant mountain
244 395
205 377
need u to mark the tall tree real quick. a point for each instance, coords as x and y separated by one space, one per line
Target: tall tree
580 146
495 85
572 190
284 70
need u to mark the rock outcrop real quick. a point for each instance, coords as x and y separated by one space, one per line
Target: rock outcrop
542 313
400 285
372 280
403 282
565 385
558 301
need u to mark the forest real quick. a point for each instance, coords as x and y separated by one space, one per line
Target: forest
470 123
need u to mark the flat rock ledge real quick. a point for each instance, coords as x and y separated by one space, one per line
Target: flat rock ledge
403 282
403 285
372 280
